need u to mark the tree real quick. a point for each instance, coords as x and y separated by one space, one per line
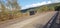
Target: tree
14 6
6 12
2 6
45 8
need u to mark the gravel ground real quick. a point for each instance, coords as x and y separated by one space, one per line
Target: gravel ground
33 22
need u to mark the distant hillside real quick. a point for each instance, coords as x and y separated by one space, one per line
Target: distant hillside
48 7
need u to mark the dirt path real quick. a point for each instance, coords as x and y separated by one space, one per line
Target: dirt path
32 22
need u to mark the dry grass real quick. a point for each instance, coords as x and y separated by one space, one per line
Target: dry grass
4 17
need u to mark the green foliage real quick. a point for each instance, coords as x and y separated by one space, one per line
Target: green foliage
6 13
42 9
49 7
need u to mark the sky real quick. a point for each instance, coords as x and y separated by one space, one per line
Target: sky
34 3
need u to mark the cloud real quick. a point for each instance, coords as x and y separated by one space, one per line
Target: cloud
36 4
56 1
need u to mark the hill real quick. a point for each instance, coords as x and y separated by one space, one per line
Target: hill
48 7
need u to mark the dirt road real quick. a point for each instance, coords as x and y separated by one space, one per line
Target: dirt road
34 22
